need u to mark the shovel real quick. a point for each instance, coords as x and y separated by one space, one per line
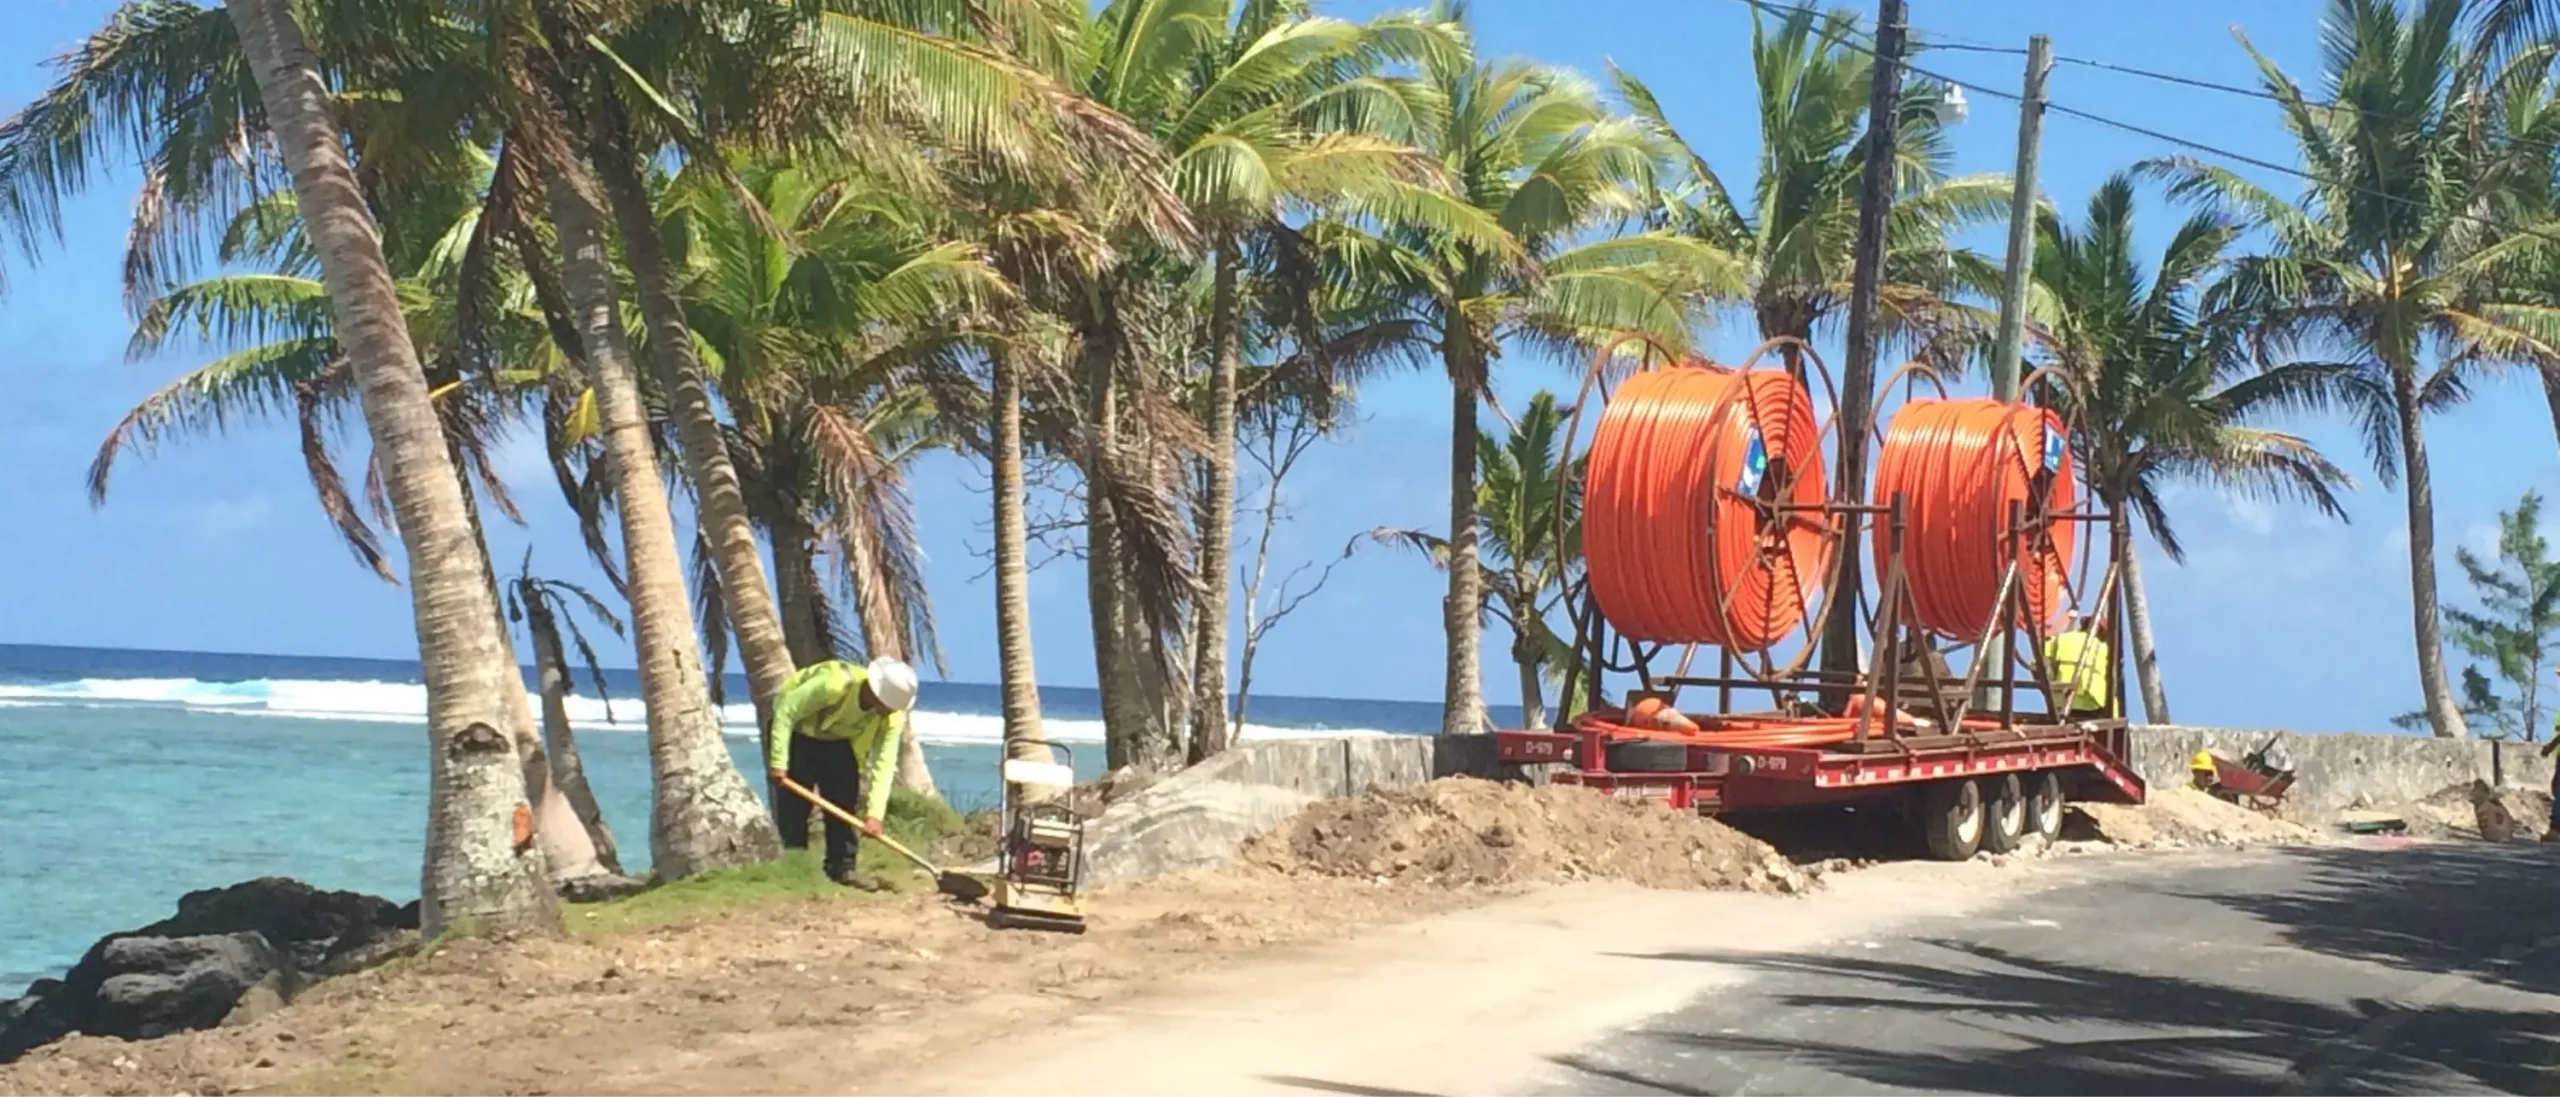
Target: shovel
961 886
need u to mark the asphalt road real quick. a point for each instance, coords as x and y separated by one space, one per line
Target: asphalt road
2424 969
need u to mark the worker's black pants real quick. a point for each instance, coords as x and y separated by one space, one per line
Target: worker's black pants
826 765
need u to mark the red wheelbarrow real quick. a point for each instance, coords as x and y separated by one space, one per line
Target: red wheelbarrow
2258 780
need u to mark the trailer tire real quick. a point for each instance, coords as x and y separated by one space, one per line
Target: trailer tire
1951 818
2004 813
2044 804
1643 756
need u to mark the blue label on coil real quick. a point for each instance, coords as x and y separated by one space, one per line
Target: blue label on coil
1755 464
2052 449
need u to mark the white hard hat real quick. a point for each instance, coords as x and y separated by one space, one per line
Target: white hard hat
893 682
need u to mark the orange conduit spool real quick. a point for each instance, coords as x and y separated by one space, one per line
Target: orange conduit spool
1679 534
1961 466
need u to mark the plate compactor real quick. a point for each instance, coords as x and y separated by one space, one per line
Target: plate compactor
1041 864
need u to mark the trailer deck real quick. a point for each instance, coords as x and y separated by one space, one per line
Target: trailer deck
1712 779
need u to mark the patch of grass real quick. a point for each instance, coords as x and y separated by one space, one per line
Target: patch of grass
920 822
796 876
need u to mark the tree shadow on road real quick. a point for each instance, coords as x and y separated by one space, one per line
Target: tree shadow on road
2490 912
1991 1020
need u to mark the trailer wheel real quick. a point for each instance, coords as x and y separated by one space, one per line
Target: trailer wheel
1647 757
2044 803
1951 818
2004 813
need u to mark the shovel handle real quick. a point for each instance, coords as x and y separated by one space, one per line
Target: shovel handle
828 806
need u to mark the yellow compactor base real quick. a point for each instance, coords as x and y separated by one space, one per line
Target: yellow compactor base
1020 907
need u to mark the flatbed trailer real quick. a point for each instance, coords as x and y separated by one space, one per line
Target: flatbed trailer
2016 756
1978 790
1979 759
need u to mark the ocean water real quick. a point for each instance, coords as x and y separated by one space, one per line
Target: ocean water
130 777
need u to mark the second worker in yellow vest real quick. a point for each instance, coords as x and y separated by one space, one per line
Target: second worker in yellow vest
835 729
2077 663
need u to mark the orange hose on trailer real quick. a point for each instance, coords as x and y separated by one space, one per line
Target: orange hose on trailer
1961 467
1680 528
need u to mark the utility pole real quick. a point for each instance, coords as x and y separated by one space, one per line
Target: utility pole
1858 379
2013 291
2022 221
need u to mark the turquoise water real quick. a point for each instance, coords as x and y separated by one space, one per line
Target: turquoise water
128 778
109 814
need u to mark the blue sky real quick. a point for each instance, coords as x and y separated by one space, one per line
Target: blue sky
2278 618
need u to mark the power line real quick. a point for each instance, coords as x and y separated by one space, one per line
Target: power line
1964 47
2189 81
2173 139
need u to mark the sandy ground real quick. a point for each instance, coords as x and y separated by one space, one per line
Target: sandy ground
1482 1000
788 998
1242 981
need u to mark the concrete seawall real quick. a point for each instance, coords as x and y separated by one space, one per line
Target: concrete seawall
2337 771
1200 817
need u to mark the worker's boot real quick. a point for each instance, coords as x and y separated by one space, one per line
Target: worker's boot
863 880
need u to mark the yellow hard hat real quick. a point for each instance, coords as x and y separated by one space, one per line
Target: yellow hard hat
2203 761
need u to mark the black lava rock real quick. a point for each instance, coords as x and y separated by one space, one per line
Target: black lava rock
263 940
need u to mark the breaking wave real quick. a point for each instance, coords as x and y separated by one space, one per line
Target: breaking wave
406 703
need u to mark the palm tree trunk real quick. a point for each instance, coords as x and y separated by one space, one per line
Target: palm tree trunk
883 636
702 814
567 850
795 568
762 649
1209 732
1170 689
2551 396
477 874
1525 653
1023 737
1462 698
2443 715
2137 614
1127 724
568 770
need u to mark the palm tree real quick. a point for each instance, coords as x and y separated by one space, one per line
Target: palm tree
543 606
480 870
1526 489
174 82
2388 258
283 356
1797 239
1794 243
818 348
2156 393
1534 148
1278 114
847 73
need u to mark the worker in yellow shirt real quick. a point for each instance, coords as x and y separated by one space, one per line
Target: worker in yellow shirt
2076 660
829 715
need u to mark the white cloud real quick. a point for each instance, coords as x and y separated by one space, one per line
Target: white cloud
2254 515
224 518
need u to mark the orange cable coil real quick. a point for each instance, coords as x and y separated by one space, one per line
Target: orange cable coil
1960 467
1681 544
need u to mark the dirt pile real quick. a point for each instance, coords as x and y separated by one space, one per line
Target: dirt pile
2178 817
2478 810
1464 832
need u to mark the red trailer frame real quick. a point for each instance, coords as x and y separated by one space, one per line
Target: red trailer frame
1945 773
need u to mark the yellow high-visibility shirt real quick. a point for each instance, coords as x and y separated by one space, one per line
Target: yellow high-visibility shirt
2078 663
824 701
